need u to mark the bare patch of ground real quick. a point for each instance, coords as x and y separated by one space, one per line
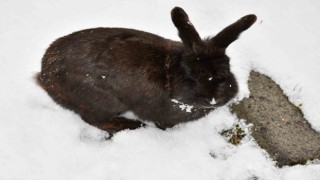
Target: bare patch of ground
278 126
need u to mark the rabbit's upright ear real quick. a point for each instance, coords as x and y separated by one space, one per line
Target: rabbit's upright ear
187 32
229 34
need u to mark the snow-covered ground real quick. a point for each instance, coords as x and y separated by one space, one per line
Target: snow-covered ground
41 140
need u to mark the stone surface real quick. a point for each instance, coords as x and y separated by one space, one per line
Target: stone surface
278 126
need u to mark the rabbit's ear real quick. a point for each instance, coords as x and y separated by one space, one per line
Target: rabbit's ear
187 32
229 34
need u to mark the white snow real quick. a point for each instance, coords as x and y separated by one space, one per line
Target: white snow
183 106
40 140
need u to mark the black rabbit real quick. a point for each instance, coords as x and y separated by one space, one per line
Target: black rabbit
103 72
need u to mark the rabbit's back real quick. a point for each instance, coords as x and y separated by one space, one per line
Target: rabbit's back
104 54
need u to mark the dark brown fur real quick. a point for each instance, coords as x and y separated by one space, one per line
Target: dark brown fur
101 73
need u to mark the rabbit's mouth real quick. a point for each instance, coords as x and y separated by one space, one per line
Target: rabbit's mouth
201 103
211 103
206 104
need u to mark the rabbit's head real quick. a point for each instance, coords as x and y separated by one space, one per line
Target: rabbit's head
207 81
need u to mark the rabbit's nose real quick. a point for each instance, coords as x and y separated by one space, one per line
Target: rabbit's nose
212 102
216 102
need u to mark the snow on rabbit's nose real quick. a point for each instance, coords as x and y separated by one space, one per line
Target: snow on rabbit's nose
213 101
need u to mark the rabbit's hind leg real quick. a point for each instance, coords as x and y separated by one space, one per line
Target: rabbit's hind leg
105 114
117 124
112 125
